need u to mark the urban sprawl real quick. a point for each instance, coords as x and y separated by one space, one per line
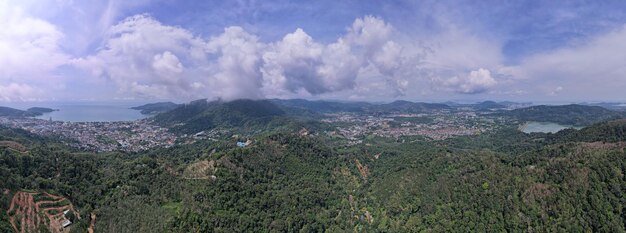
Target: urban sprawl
144 134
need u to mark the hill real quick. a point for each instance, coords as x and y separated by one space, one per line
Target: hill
489 105
12 112
202 115
610 131
503 181
407 107
155 108
321 106
573 114
40 110
31 112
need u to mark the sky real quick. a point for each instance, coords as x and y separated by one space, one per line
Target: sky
356 50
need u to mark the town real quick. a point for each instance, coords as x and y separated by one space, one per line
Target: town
131 136
139 135
435 125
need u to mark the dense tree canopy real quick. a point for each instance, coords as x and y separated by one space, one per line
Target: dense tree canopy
571 181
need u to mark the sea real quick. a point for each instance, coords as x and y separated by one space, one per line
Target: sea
86 111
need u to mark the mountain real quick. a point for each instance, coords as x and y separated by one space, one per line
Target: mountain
608 105
504 181
322 106
407 106
489 105
573 114
12 112
40 110
609 132
156 107
202 115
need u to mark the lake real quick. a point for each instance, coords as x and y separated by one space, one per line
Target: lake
92 112
544 127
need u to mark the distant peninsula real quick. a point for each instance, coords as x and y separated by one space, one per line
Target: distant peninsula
155 108
31 112
40 110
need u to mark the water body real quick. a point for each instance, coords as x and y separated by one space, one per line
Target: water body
544 127
92 112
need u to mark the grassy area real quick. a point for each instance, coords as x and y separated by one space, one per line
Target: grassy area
172 207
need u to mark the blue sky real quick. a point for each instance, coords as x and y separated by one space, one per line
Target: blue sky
60 50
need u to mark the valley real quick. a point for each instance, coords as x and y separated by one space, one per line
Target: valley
261 165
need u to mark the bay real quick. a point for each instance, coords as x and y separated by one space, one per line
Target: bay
92 112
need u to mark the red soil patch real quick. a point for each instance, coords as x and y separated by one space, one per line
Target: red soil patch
362 169
13 146
31 214
92 224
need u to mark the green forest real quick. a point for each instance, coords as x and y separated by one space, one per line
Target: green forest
502 181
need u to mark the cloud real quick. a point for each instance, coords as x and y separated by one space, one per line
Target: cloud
146 58
167 63
235 73
299 65
476 81
29 53
17 91
592 69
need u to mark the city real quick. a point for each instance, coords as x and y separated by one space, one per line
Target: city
435 125
131 136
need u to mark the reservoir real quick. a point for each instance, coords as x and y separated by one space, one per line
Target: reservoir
544 127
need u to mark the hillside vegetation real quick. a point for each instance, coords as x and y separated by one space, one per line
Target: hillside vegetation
573 114
500 181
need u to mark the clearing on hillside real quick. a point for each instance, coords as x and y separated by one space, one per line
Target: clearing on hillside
16 146
30 211
200 170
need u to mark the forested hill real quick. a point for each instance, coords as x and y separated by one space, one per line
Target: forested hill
407 107
321 106
31 112
12 112
573 114
609 132
286 182
155 108
205 115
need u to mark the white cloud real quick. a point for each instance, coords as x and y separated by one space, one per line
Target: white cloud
593 70
29 53
18 92
236 73
145 58
297 64
476 81
166 63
